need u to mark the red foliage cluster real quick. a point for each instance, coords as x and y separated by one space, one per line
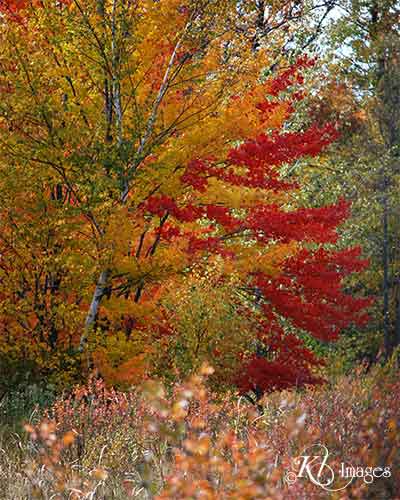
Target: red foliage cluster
260 159
307 224
12 5
14 9
291 76
261 375
309 292
161 205
277 148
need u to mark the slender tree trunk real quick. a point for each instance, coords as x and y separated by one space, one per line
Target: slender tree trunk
110 107
113 108
94 306
387 93
115 104
397 323
385 262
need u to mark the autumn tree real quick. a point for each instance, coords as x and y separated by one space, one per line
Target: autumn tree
100 97
139 138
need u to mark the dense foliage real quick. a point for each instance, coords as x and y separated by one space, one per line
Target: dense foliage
140 158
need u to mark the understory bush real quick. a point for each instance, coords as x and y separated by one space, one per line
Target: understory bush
188 443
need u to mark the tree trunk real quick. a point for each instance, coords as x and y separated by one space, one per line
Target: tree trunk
113 101
94 306
396 339
385 262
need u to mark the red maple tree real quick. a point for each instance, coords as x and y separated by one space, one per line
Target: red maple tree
307 294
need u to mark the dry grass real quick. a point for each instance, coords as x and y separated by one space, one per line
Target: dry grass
102 444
